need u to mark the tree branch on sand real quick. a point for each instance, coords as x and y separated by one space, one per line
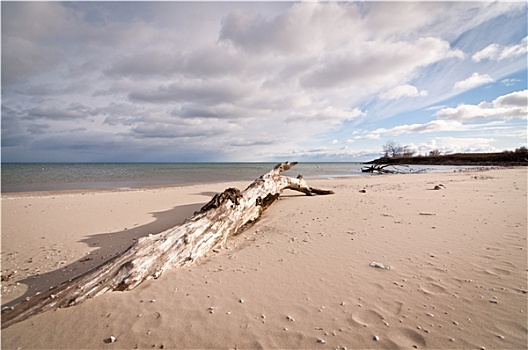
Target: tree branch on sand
382 169
225 215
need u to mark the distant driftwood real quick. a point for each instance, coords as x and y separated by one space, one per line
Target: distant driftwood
382 169
225 215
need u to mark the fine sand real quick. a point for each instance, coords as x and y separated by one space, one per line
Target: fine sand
299 278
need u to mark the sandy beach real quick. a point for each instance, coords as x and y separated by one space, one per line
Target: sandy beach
300 278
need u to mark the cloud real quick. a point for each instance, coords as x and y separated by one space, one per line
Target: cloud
207 62
510 81
122 113
13 133
303 29
49 90
230 80
38 128
370 135
489 52
73 112
343 154
496 52
432 126
244 142
23 51
494 128
209 91
474 80
376 64
449 145
402 91
332 45
168 131
220 111
328 115
446 19
518 99
513 105
153 61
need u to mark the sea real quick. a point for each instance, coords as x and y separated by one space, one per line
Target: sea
32 177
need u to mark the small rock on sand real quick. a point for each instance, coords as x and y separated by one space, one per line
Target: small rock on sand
379 265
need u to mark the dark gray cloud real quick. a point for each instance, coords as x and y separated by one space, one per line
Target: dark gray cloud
13 133
42 90
168 131
31 38
75 111
148 63
222 111
242 142
38 129
122 113
78 139
209 92
209 62
12 139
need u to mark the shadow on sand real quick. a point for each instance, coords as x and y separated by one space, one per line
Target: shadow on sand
109 245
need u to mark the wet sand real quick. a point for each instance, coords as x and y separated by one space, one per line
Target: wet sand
301 277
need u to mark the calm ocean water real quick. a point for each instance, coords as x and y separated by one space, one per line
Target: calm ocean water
73 176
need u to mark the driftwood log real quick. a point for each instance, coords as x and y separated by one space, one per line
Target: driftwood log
379 169
225 215
382 169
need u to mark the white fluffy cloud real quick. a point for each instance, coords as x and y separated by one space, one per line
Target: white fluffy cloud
513 105
328 115
433 126
515 100
449 144
496 52
402 91
474 80
374 64
365 136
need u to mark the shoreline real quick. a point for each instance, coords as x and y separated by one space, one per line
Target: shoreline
307 258
50 193
47 193
18 178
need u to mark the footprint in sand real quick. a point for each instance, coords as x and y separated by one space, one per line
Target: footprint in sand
366 317
507 263
378 286
496 271
407 338
432 288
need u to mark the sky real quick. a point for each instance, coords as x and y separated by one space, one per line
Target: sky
260 81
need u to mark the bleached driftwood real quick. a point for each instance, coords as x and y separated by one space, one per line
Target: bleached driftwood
225 215
382 169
